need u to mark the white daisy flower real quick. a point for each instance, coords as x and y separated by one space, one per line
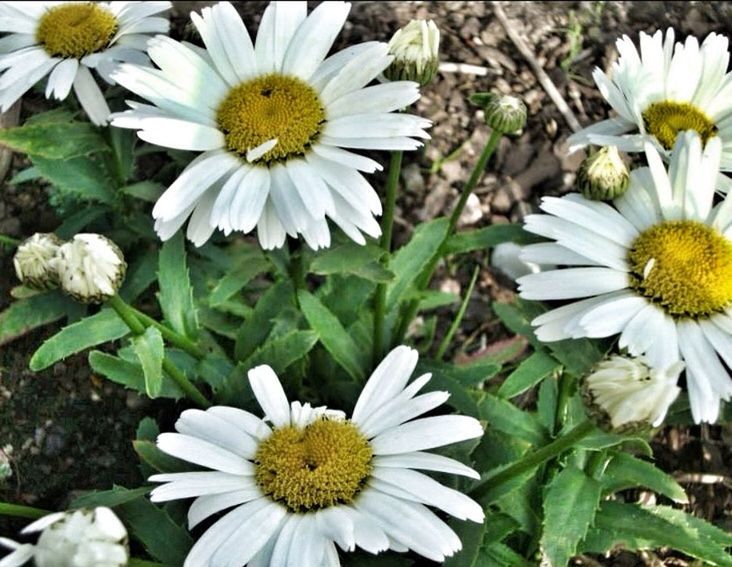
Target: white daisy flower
304 480
33 260
64 40
273 118
665 89
656 268
82 538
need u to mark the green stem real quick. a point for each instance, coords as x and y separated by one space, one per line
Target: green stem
387 229
296 268
424 278
9 241
127 314
565 385
459 317
533 459
182 342
19 511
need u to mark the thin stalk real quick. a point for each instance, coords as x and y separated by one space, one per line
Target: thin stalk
174 338
128 315
533 459
7 509
9 241
459 317
296 268
424 278
565 385
387 229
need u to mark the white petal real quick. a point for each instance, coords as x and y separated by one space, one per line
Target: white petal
357 73
91 97
376 99
203 453
347 158
210 427
246 422
209 504
61 79
571 283
42 523
270 395
248 204
270 232
279 23
181 134
426 433
425 461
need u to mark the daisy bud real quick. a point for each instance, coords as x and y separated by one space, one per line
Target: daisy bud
82 538
603 176
33 261
415 49
90 267
627 395
504 113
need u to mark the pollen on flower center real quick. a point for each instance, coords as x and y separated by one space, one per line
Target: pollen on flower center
667 118
270 107
76 29
685 266
322 465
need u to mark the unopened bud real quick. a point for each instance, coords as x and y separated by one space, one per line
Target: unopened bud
504 113
33 261
603 175
626 395
415 48
90 267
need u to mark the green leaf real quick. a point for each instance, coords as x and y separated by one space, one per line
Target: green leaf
28 174
350 258
635 528
129 374
79 220
488 237
110 498
54 140
81 177
506 417
236 280
176 293
472 374
529 373
123 144
150 350
431 299
570 505
148 191
501 554
627 471
332 334
27 314
140 275
253 332
411 258
281 351
163 539
471 535
91 331
546 403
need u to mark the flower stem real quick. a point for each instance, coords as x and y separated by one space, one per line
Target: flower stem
9 241
424 278
182 342
458 318
127 314
533 459
387 229
19 511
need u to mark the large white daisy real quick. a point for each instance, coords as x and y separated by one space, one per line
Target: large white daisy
656 268
272 119
64 40
665 89
304 480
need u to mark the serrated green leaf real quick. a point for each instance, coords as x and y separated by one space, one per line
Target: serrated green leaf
411 258
546 403
283 350
110 498
81 177
627 471
129 374
140 275
236 280
54 140
332 334
150 350
500 554
255 329
570 505
488 237
350 258
529 373
148 191
27 314
176 293
506 417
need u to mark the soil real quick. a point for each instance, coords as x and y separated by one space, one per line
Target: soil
65 427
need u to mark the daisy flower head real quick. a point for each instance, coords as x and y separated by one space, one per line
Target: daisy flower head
65 40
667 88
303 480
655 268
275 119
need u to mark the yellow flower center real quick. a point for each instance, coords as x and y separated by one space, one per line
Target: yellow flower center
268 107
684 266
667 118
76 30
322 465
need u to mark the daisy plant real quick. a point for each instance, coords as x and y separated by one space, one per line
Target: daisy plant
228 242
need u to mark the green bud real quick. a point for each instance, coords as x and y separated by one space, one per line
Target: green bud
603 176
415 48
504 113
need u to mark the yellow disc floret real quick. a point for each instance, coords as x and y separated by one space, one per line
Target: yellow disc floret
684 266
666 119
271 107
76 29
322 465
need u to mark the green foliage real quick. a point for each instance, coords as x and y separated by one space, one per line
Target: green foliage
350 258
528 374
488 237
150 349
176 293
62 140
129 374
627 471
33 312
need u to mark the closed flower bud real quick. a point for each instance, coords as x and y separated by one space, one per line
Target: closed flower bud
90 267
603 175
504 113
82 538
625 394
415 48
33 261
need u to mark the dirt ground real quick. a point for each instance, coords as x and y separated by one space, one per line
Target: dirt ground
67 428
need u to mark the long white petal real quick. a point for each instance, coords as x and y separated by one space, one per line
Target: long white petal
270 395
